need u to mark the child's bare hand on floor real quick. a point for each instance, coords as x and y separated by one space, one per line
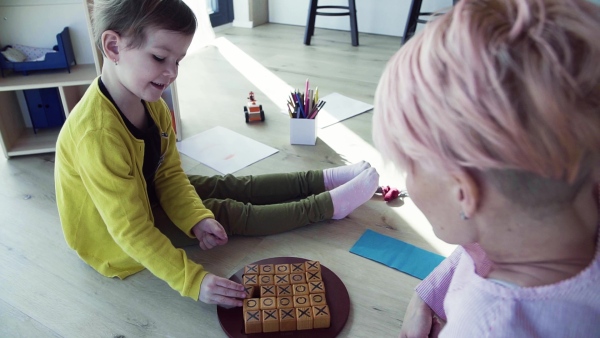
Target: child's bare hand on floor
209 233
221 291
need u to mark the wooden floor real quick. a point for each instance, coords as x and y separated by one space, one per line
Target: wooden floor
47 291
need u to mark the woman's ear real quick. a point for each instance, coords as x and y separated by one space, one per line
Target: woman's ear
467 192
110 44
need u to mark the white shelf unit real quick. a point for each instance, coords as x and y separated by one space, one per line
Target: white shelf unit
19 139
35 23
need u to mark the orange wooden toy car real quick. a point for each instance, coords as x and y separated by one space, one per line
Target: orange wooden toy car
253 110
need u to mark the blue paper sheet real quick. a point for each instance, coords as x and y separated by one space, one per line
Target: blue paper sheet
396 254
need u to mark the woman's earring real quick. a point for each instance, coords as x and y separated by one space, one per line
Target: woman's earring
116 62
463 216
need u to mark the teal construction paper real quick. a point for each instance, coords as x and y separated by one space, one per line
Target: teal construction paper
396 254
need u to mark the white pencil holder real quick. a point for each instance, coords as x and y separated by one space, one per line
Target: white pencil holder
303 131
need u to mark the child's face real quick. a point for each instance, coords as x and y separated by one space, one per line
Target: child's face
435 193
148 70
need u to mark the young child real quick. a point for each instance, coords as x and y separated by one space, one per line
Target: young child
494 113
119 182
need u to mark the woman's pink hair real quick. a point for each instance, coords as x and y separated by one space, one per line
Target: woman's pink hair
496 84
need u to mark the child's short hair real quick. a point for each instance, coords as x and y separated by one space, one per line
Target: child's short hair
496 85
131 18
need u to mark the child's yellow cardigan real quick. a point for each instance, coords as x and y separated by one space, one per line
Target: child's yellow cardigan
103 202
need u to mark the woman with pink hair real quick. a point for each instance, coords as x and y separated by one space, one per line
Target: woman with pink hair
493 111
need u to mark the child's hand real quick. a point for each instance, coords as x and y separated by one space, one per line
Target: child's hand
418 319
221 291
209 233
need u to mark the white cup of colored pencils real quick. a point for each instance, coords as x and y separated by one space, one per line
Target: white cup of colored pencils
304 105
303 108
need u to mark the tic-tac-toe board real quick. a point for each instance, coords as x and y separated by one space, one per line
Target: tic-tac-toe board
290 297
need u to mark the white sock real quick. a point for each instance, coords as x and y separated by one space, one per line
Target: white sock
334 177
353 194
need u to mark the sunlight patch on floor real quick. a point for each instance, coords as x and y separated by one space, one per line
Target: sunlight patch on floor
264 80
339 138
345 142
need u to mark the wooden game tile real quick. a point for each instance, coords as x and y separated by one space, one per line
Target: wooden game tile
267 269
281 279
265 279
300 289
304 318
287 319
321 317
316 287
251 269
250 279
284 290
252 321
268 303
249 290
297 268
301 301
317 299
312 266
297 278
313 276
285 302
268 291
270 320
282 269
251 304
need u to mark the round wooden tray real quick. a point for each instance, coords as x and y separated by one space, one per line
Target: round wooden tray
337 298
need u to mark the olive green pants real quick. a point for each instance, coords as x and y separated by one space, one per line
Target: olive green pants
257 205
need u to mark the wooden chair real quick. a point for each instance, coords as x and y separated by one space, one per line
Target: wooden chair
414 15
313 11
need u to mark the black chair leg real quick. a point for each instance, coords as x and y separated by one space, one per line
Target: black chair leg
310 23
413 18
353 22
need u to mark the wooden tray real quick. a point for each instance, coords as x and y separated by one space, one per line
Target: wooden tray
337 298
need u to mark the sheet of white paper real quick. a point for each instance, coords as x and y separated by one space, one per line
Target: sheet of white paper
338 108
224 150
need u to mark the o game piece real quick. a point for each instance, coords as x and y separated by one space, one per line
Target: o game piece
265 279
251 304
297 278
285 302
300 289
282 269
268 303
317 299
301 301
267 269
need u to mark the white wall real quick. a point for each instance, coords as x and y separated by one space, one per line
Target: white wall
36 22
385 17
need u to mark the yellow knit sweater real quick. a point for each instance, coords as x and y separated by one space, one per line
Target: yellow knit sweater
103 202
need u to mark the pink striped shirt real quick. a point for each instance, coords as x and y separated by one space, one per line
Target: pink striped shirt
477 307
